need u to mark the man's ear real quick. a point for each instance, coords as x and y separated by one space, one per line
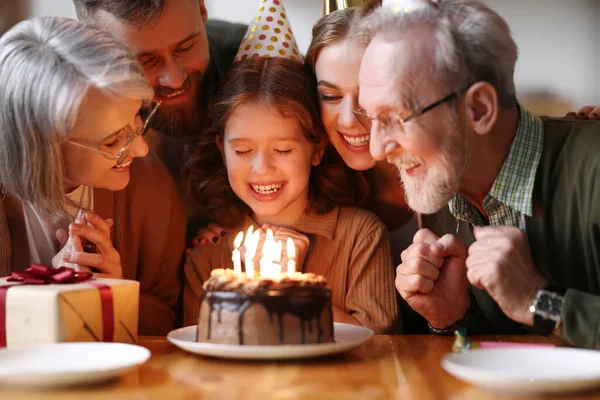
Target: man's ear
481 102
203 11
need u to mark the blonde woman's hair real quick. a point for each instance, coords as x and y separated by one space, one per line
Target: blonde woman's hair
334 27
47 66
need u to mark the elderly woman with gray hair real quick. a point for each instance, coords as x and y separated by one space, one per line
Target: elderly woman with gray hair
72 159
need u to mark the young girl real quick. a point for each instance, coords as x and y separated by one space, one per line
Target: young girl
265 161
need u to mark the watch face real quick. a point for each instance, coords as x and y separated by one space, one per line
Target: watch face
548 305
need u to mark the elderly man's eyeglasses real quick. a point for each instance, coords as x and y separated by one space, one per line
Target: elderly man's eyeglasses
393 120
129 135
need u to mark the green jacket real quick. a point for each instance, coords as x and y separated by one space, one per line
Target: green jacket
564 231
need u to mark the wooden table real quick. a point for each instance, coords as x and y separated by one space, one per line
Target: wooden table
386 367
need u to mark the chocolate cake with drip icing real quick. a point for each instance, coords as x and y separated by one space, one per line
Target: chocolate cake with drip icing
237 309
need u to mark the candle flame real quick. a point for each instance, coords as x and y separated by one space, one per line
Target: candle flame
237 242
251 244
291 249
291 253
277 251
236 255
271 254
248 235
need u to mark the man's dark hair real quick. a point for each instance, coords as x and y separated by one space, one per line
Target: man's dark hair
138 12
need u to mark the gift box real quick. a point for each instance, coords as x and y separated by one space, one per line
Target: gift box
95 310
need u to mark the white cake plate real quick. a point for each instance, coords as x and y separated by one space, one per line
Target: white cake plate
66 364
346 337
527 371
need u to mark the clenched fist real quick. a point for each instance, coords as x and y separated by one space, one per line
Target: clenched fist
500 262
432 278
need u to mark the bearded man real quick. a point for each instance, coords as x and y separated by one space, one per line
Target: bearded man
183 55
520 193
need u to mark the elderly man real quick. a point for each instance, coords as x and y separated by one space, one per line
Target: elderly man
183 55
524 206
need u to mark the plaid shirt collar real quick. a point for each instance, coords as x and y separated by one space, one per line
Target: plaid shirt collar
510 198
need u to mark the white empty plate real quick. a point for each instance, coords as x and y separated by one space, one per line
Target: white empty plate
346 337
63 364
527 371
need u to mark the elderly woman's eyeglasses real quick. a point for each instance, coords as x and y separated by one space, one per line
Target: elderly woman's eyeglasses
393 121
129 133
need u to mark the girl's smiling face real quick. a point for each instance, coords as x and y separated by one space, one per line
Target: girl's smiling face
269 160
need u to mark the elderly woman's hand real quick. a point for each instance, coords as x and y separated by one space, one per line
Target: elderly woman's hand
97 231
69 242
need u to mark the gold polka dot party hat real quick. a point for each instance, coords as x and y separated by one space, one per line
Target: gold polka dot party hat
269 34
406 6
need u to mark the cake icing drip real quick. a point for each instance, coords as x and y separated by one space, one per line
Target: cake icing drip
307 304
305 296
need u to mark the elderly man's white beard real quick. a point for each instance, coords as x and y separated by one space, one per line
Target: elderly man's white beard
429 193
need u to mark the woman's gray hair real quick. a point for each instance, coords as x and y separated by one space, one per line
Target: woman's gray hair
472 43
47 66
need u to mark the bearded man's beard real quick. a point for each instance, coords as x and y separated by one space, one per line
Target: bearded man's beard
183 120
429 193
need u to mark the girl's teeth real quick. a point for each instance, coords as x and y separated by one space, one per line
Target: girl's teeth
357 141
268 189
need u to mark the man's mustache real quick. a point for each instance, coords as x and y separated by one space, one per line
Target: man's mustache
164 91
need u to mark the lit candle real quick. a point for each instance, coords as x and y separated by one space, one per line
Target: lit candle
248 237
251 244
236 256
291 253
271 252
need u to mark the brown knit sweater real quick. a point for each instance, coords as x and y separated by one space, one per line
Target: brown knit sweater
148 233
348 246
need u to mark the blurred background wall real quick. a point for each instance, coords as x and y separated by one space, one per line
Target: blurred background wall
559 41
12 11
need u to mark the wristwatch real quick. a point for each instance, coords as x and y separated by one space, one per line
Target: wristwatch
546 309
461 323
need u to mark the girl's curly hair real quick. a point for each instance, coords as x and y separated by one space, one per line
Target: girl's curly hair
291 88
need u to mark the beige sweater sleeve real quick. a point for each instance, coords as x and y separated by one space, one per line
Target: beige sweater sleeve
371 296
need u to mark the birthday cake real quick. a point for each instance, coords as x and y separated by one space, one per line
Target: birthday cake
243 310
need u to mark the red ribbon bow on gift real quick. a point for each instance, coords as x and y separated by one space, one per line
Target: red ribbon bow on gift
38 274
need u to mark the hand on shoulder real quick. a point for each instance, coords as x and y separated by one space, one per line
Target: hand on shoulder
586 112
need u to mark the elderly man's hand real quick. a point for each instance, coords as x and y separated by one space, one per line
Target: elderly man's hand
500 262
432 278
